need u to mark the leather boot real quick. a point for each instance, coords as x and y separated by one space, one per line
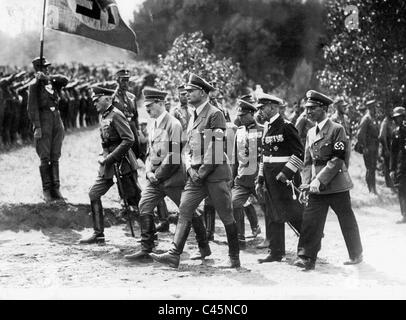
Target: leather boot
201 238
162 210
210 220
45 171
98 224
147 240
233 247
172 257
239 220
55 192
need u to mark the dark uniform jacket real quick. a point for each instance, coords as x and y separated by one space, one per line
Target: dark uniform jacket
41 96
164 154
247 154
205 146
398 151
124 101
117 139
325 156
281 146
368 133
344 121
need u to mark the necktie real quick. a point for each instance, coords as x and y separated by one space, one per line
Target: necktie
317 129
195 115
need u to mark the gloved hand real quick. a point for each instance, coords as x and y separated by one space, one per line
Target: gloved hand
315 186
151 177
41 76
37 133
281 177
259 190
101 160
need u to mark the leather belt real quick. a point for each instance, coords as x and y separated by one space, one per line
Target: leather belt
271 159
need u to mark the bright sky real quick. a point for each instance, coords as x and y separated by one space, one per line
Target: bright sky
18 16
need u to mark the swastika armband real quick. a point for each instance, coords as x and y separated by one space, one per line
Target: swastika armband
339 150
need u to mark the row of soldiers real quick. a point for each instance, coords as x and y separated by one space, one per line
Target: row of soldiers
75 104
188 160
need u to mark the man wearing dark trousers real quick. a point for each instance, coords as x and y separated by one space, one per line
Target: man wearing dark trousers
281 161
398 158
247 154
209 174
117 139
385 138
325 175
49 132
165 174
368 141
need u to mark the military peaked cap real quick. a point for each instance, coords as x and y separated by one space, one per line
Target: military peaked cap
36 62
153 95
99 92
196 82
245 106
398 111
123 73
182 88
264 98
315 99
340 101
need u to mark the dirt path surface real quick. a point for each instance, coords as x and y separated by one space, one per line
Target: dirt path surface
40 257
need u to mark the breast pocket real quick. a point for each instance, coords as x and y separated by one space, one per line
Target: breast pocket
326 149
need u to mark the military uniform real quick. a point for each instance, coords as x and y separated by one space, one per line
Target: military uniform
125 102
117 139
248 142
385 137
43 102
398 160
164 161
282 151
368 133
209 175
325 155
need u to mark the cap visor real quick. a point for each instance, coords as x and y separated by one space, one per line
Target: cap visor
148 102
192 87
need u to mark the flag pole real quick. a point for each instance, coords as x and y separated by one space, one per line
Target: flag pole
41 52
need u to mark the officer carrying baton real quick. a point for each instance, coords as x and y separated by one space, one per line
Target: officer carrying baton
118 175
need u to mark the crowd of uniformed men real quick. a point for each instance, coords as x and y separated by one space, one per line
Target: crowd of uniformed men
194 154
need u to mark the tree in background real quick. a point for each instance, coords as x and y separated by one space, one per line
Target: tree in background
190 53
270 39
367 62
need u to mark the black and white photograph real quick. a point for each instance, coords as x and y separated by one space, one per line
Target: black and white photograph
207 150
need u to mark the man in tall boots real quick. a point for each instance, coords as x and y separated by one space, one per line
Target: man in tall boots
248 141
49 132
117 139
208 171
165 174
281 162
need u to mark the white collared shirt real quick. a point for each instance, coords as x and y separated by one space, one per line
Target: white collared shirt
322 124
159 120
199 109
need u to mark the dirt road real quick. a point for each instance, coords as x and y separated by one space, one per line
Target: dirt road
40 257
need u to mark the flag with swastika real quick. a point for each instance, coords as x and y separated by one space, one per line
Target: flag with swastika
99 20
